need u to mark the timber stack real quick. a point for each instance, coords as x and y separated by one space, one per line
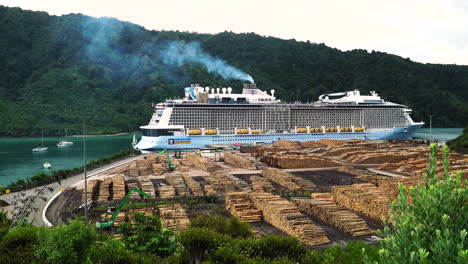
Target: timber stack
118 187
147 186
282 178
104 194
365 198
179 185
198 161
285 216
173 216
261 184
93 186
166 192
239 161
194 186
240 205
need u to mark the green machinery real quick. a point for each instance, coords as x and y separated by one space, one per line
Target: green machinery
119 208
169 162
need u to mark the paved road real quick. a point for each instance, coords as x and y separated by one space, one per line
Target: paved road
36 217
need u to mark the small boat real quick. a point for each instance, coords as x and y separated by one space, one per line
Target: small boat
41 148
134 142
47 165
65 143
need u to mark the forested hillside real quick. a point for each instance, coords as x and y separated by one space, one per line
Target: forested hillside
55 71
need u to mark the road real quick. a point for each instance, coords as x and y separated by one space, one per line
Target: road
36 217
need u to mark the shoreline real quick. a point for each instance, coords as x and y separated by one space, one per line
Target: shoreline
88 135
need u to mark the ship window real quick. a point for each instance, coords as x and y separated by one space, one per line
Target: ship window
158 132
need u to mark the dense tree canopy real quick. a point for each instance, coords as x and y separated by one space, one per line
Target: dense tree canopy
55 71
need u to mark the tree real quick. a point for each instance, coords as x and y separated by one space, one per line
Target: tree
431 227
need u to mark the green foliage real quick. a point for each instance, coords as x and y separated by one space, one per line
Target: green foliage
46 70
146 234
460 144
17 246
199 243
432 227
113 251
230 226
66 244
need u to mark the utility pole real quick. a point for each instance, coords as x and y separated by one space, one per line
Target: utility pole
85 176
430 126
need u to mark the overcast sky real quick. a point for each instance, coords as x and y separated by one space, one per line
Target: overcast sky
434 31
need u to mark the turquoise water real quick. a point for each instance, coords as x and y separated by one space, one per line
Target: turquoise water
17 161
440 134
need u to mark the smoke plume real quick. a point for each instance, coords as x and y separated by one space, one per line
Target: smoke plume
179 53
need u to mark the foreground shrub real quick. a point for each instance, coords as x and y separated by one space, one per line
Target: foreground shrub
17 246
199 243
230 226
113 251
67 244
432 227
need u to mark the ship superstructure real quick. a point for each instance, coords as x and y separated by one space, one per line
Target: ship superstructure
217 116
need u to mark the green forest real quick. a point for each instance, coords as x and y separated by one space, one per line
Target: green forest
57 71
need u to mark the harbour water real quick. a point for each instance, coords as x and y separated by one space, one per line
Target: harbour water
17 161
439 134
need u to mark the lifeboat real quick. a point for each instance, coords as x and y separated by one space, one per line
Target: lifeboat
331 129
358 129
242 131
345 129
301 130
256 131
194 132
315 129
211 132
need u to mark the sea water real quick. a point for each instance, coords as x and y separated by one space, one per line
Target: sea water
18 161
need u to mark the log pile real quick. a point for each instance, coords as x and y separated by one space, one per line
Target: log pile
333 142
93 186
297 160
147 186
287 144
285 216
390 186
240 205
158 168
283 178
364 198
239 184
312 144
343 150
193 185
329 212
133 171
261 184
104 194
210 190
120 218
166 192
179 185
305 185
143 168
173 216
118 187
198 161
220 182
239 161
133 184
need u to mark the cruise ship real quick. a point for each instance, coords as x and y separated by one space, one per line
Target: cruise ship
217 116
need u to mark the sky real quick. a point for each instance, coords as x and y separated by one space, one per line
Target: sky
427 31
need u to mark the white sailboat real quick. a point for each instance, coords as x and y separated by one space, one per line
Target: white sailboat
47 165
134 142
41 148
65 143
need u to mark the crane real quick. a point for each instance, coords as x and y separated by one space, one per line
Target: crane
169 162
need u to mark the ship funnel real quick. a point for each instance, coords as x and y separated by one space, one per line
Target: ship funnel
229 89
207 89
224 90
217 90
272 93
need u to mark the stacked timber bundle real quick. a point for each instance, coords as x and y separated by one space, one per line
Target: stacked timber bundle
210 190
193 185
173 216
239 184
332 142
298 160
240 205
285 216
104 194
329 212
287 144
166 192
383 156
343 150
143 168
133 171
312 144
220 182
118 187
390 186
261 184
93 186
183 169
158 168
305 185
179 185
283 178
248 149
133 184
239 161
364 198
120 218
198 161
147 186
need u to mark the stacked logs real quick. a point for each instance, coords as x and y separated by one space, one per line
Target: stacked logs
327 211
284 215
133 184
118 187
133 171
198 161
173 216
283 178
179 185
142 167
364 198
147 186
240 205
210 190
297 160
220 182
166 192
390 186
239 184
104 194
193 185
261 184
93 186
239 161
305 185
